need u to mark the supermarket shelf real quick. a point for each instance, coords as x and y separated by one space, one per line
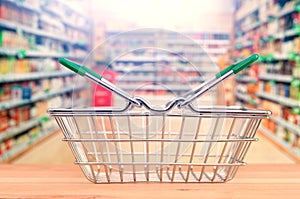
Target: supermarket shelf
195 42
135 78
243 41
149 60
183 52
158 69
291 32
154 60
252 26
137 69
212 41
202 55
242 14
285 11
246 98
279 99
207 69
60 92
19 129
26 145
215 50
259 23
287 33
55 93
209 60
38 97
8 51
281 13
155 87
51 11
74 26
286 124
23 5
278 35
51 54
78 11
182 55
239 39
35 31
245 45
35 53
245 79
24 126
185 58
276 77
279 57
280 142
33 76
67 23
275 58
184 42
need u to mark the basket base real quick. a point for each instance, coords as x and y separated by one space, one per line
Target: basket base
165 176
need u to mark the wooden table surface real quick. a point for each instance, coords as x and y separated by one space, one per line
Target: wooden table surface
67 181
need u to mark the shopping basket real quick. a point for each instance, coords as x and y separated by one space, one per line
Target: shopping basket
175 143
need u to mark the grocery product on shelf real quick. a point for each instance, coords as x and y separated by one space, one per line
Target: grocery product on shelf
22 15
295 89
9 39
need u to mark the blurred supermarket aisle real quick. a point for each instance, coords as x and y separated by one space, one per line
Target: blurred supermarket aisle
177 51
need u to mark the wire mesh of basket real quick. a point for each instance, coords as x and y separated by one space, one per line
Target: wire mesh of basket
208 145
175 143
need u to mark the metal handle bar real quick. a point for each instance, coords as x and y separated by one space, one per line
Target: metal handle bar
180 101
227 72
84 71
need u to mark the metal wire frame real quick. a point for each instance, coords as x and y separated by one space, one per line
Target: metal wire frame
179 156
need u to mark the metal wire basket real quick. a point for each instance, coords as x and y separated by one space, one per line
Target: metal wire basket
174 143
207 145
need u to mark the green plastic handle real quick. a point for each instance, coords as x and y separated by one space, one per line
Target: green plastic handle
226 70
81 70
72 66
245 63
237 67
90 71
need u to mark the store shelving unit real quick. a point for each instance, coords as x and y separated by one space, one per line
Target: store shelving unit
271 28
276 77
38 54
279 99
38 97
33 76
151 61
33 34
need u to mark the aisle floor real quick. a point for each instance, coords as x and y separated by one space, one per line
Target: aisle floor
55 151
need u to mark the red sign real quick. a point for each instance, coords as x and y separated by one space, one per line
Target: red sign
101 95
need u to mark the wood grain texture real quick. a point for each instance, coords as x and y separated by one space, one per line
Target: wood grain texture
67 181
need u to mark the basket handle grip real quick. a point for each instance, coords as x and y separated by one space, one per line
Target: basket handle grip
237 67
79 69
95 77
227 72
245 63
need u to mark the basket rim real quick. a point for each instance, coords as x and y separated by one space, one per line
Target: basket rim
233 111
